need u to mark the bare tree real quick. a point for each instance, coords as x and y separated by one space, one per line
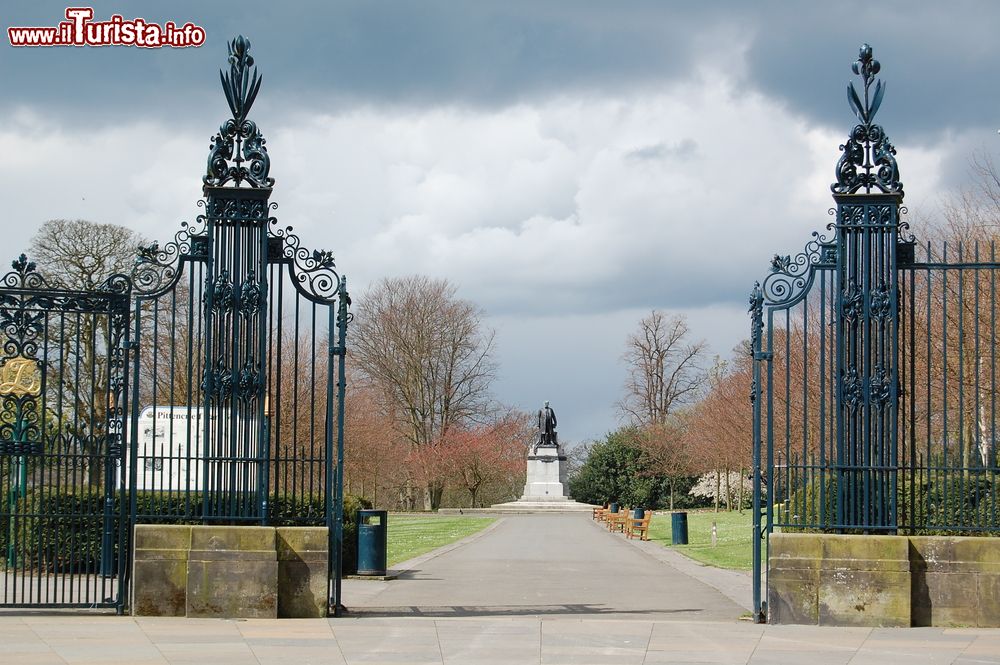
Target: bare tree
81 255
376 454
665 369
491 455
427 353
717 430
77 254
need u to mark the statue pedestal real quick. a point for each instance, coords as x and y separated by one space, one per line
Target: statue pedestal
546 474
545 489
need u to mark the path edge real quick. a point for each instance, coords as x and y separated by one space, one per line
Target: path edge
410 564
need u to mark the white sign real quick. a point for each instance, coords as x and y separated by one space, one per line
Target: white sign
170 454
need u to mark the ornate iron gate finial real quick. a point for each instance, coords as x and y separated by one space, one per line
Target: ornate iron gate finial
238 139
869 159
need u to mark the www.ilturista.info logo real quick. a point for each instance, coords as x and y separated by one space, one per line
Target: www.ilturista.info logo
79 29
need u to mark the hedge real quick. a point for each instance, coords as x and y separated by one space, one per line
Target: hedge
956 504
61 531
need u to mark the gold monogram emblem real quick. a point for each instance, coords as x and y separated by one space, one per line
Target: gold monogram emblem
20 376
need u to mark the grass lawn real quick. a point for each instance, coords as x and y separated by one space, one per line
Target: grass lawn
734 532
413 535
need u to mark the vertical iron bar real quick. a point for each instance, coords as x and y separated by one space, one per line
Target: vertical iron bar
338 517
756 327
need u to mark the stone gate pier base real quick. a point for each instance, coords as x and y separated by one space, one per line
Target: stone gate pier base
859 580
230 571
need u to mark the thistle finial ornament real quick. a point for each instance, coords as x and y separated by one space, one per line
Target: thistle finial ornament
869 159
237 152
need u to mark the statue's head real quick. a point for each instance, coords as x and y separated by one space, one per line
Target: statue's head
546 404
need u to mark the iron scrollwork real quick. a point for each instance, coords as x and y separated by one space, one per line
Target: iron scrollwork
313 272
881 302
219 292
26 300
791 275
852 389
853 302
157 268
880 388
20 385
252 296
239 141
24 275
246 298
249 384
253 210
22 319
869 159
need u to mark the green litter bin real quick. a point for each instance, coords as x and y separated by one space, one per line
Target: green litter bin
372 526
679 528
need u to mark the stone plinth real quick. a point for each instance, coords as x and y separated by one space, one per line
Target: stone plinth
956 581
303 560
159 570
232 573
545 489
857 580
546 474
835 580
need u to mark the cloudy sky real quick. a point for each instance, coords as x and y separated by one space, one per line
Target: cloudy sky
570 165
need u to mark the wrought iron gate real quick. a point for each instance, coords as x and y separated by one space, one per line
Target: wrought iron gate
238 375
206 387
63 391
874 373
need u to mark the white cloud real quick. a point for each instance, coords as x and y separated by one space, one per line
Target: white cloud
138 175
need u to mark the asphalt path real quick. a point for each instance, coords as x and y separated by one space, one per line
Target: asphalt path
541 565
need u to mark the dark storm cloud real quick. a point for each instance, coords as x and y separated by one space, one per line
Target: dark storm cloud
935 56
940 60
426 53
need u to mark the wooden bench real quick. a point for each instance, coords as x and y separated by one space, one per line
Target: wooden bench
638 527
599 513
616 521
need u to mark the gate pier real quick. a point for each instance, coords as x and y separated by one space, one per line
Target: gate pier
874 380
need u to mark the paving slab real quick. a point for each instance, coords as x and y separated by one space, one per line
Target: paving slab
493 640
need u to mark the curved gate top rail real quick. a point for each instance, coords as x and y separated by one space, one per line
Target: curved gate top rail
874 369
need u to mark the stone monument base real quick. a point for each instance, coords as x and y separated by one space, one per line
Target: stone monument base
545 489
561 504
546 474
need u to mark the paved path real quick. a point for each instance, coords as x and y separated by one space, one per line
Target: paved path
543 566
79 640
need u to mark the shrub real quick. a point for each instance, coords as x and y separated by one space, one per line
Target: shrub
955 504
617 470
62 531
726 488
814 506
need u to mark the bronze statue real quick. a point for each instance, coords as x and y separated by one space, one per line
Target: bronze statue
546 428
